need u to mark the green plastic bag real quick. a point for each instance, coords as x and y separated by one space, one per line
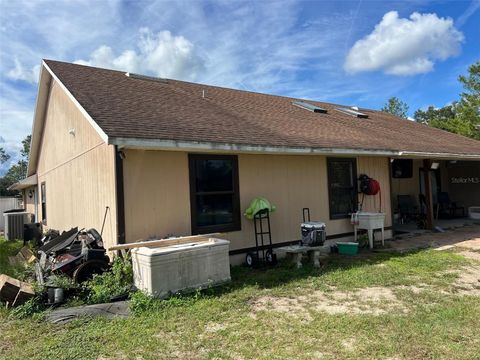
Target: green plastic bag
258 204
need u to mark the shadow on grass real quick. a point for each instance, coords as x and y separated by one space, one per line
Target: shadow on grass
286 272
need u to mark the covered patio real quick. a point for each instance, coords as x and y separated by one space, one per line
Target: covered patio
433 194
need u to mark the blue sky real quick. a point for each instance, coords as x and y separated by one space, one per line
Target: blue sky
349 52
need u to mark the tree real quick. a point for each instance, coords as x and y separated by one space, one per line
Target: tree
463 116
468 113
3 156
17 171
396 107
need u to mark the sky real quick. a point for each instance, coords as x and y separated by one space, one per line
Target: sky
357 53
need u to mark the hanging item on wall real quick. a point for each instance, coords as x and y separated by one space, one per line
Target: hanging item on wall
369 186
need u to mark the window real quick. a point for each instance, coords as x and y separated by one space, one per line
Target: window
214 195
44 202
402 168
342 187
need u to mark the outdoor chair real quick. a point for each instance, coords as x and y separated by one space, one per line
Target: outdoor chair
406 207
445 206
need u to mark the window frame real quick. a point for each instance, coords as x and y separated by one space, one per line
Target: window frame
236 223
352 161
43 201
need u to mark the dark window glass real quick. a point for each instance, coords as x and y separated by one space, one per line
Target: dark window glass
43 195
214 175
214 194
402 168
342 187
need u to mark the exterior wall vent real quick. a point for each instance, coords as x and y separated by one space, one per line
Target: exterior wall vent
145 77
309 107
351 112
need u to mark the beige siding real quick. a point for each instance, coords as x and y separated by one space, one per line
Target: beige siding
409 186
378 169
78 169
30 201
157 194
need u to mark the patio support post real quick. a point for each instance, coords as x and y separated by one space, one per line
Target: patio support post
428 193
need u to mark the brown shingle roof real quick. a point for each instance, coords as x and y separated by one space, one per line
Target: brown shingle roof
127 107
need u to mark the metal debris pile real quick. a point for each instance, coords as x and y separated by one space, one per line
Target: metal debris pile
75 254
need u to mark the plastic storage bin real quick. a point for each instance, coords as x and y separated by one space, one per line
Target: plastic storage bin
184 267
347 248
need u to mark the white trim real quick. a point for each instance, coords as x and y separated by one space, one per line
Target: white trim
38 119
178 145
24 183
92 122
439 156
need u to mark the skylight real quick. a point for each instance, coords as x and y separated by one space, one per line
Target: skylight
145 77
351 112
309 107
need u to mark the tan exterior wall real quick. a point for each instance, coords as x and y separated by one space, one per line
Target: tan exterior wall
157 194
78 169
29 202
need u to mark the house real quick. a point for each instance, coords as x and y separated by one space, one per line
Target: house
164 157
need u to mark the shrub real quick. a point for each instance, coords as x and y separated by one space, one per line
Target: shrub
32 307
141 302
118 281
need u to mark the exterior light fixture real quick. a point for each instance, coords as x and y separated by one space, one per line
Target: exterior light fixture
434 165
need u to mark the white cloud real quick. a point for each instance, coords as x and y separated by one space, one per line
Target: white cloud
161 54
19 72
405 46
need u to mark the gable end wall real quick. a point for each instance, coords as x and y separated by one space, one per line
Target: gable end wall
78 168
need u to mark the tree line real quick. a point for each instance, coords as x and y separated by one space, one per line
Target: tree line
461 117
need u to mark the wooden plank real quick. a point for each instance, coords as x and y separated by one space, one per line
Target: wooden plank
166 242
27 255
13 291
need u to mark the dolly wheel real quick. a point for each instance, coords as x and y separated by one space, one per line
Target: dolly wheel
249 259
86 270
270 257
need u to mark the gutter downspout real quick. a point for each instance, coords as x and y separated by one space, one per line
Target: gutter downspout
120 196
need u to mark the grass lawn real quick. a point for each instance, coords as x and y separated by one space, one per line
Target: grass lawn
378 306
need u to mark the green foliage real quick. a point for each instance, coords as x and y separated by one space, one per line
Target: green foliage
396 107
17 171
61 281
8 248
141 302
3 156
32 307
463 116
118 281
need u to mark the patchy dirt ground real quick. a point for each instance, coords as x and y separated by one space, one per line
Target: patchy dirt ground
379 300
467 237
372 300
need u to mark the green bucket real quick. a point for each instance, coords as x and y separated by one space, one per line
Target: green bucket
347 248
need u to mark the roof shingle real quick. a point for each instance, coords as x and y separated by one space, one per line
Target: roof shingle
128 107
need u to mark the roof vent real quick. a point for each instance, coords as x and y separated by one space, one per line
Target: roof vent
309 107
145 77
352 112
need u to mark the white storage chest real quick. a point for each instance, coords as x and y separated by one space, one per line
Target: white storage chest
184 267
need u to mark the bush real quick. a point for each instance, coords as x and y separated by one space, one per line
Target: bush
141 302
31 307
118 281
